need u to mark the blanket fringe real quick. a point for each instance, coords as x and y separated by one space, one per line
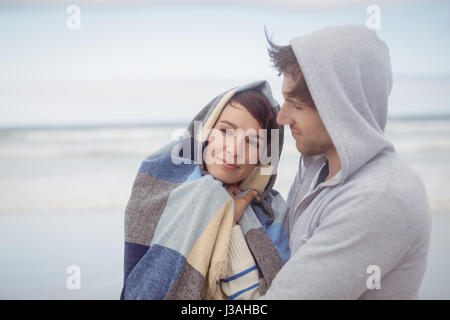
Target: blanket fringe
212 289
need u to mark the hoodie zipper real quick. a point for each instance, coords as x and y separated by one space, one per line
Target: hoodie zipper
295 212
313 193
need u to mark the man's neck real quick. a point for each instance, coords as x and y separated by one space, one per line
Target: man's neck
334 163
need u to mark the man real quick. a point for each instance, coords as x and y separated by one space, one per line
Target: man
359 217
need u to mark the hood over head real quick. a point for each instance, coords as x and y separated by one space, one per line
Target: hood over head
348 73
262 178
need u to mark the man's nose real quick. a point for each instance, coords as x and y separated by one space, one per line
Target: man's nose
284 116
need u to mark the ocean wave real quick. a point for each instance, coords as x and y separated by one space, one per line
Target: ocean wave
408 137
420 146
30 153
88 134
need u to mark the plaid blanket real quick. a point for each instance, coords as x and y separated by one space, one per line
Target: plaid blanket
178 219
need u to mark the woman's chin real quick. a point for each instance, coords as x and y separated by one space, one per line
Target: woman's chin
225 178
223 175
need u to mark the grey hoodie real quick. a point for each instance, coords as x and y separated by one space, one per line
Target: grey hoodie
373 215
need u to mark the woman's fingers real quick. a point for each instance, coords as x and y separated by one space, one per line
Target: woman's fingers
250 196
236 190
233 190
242 203
230 190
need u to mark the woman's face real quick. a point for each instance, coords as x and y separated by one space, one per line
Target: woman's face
234 146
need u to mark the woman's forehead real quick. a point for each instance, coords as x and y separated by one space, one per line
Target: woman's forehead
238 117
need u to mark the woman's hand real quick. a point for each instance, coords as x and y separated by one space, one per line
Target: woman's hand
240 203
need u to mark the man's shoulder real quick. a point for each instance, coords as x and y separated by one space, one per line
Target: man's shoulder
390 189
388 176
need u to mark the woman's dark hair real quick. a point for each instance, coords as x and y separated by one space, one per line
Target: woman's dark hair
260 108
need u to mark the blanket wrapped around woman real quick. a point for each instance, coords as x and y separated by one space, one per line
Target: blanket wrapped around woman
179 218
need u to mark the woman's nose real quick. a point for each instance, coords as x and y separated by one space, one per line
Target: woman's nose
233 146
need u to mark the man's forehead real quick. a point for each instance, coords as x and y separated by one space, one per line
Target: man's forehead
289 84
295 87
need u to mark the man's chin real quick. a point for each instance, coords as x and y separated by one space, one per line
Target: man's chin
310 152
302 150
306 151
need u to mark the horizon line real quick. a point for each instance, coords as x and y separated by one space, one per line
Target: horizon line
185 123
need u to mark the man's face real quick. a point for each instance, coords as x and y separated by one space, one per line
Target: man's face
307 128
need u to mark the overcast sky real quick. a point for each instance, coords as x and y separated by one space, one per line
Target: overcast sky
140 61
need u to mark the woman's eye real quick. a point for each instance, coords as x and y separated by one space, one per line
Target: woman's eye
252 142
227 131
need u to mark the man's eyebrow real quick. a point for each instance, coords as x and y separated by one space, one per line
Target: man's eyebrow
288 94
290 97
291 100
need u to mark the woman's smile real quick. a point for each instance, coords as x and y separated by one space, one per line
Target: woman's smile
229 166
226 164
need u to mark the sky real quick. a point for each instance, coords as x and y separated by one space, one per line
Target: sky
153 61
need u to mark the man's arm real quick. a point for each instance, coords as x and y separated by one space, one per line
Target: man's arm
353 234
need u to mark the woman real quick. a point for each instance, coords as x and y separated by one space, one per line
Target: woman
180 222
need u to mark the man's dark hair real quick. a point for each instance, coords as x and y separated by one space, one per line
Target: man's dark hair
285 62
